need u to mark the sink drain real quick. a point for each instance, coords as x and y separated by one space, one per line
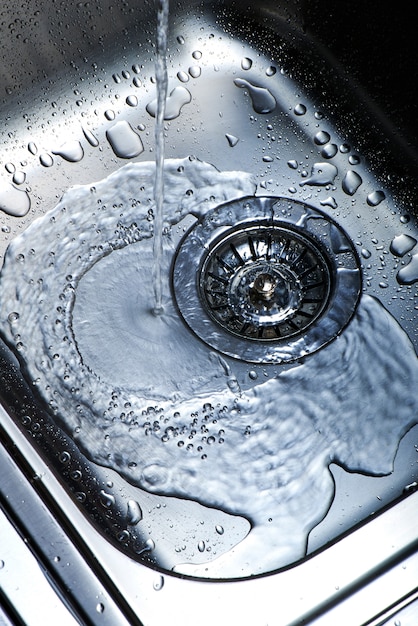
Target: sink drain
275 280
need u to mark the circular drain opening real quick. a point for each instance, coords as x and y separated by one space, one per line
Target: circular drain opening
265 283
275 281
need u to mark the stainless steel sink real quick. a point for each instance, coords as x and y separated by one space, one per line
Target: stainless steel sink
242 447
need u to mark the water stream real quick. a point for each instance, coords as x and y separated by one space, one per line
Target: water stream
162 83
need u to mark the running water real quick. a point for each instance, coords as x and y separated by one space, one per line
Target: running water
162 83
142 395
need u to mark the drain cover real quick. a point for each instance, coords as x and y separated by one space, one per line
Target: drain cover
275 281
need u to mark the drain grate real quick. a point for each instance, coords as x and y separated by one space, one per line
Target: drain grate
275 281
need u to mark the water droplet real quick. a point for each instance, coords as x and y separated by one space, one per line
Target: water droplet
329 151
402 244
330 201
300 109
409 274
1 564
93 141
197 54
375 198
100 607
137 82
64 457
183 76
116 78
366 254
354 159
322 137
125 142
268 159
321 174
253 375
106 499
344 148
246 63
132 101
195 71
109 115
19 178
174 103
32 147
232 140
219 529
13 201
180 40
46 159
293 164
262 99
134 514
10 168
201 546
351 182
158 583
270 71
71 151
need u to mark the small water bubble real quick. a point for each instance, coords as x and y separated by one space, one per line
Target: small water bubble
10 168
19 177
64 457
354 159
32 147
322 137
132 101
117 79
197 54
137 82
271 70
375 198
300 109
181 40
46 159
183 76
201 546
329 151
344 148
246 63
253 375
109 114
13 317
365 253
293 164
100 607
195 71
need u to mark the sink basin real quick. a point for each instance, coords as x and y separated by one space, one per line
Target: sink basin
264 427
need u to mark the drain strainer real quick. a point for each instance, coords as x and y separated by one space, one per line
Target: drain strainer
275 280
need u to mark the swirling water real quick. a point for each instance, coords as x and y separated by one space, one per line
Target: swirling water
139 393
